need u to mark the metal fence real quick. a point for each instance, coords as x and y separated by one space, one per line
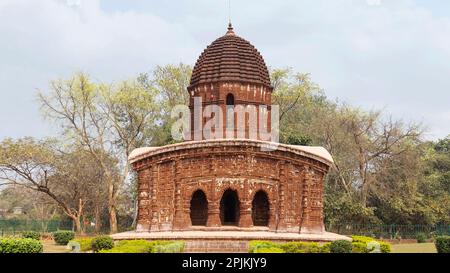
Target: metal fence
391 231
16 226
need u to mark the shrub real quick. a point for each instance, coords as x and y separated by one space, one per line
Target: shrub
269 250
31 235
357 240
101 243
300 247
359 248
421 237
325 248
63 237
143 246
255 245
20 245
171 247
385 247
341 246
292 247
442 244
131 246
85 243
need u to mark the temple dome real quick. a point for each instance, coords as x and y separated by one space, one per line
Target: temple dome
230 58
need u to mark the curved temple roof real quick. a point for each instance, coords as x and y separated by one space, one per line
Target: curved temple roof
230 58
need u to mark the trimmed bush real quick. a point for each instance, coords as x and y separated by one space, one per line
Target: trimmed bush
291 247
171 247
369 245
101 243
255 245
385 247
341 246
85 243
138 246
143 246
31 235
20 245
269 250
300 247
63 237
359 248
442 244
421 238
325 248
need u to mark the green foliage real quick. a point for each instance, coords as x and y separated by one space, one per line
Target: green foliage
169 247
101 243
269 250
341 246
359 247
295 139
291 247
143 246
301 247
31 235
85 243
63 237
20 245
421 237
368 244
325 248
442 244
254 246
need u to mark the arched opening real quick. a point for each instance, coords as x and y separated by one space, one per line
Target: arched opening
260 209
230 111
199 209
230 100
229 208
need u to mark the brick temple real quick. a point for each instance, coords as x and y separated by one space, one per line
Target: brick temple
232 188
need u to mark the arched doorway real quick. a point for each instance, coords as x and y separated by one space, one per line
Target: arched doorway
260 209
229 208
199 209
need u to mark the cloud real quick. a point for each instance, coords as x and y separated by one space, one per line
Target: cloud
392 55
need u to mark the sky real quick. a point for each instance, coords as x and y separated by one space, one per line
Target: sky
375 54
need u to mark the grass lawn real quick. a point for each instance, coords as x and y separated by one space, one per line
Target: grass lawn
51 247
414 248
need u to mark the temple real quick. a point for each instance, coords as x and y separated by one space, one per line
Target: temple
232 185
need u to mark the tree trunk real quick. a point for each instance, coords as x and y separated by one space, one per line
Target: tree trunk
113 219
98 220
78 226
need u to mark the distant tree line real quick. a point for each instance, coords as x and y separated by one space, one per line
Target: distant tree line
385 172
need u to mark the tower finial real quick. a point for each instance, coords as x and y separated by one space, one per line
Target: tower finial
230 29
230 26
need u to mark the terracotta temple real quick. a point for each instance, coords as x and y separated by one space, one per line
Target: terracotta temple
231 185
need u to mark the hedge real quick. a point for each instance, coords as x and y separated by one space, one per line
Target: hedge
20 245
341 246
442 244
85 243
360 244
292 247
143 246
370 244
31 235
63 237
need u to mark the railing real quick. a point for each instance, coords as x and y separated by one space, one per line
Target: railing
391 231
15 226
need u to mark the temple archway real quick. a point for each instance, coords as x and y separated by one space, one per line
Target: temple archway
199 209
260 209
229 208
